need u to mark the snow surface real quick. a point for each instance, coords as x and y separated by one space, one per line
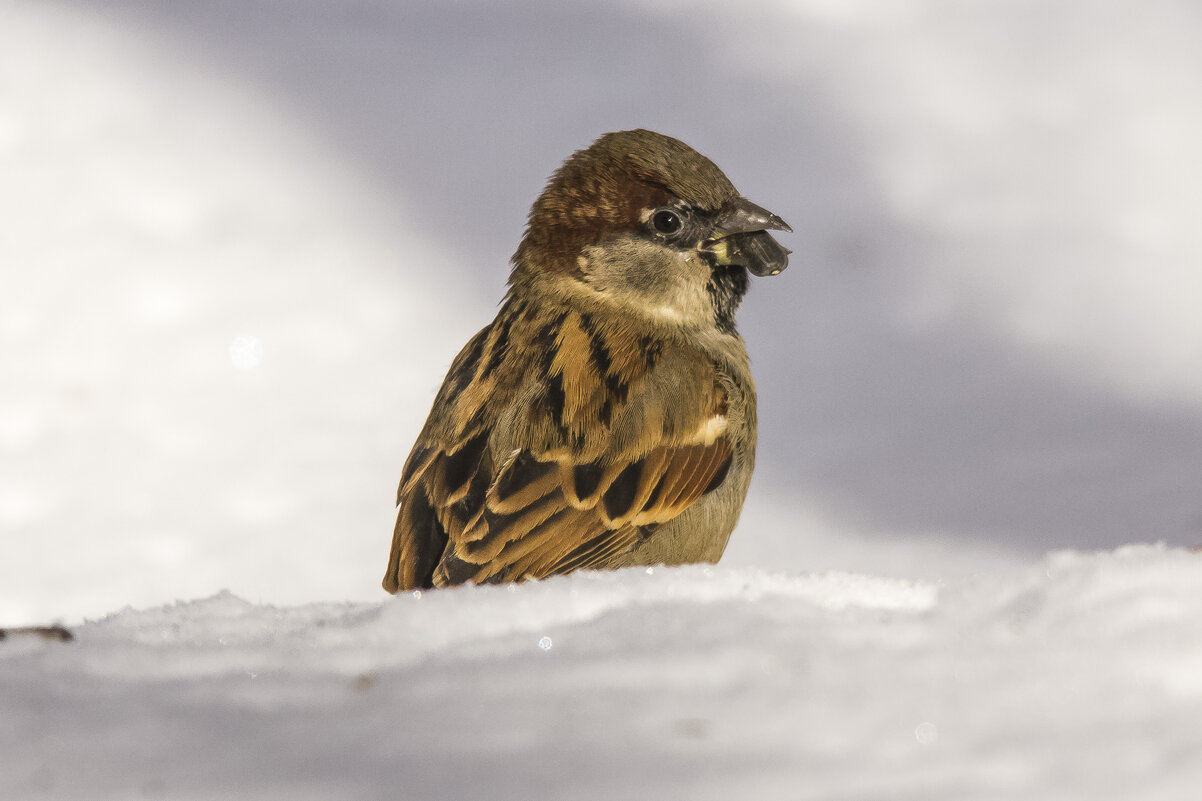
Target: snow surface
243 240
1079 678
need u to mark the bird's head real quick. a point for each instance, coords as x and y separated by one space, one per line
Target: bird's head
646 221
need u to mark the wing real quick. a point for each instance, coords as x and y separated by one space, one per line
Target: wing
570 467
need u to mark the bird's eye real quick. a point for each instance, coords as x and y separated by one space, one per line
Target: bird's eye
666 221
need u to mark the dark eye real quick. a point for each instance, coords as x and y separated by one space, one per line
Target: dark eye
666 221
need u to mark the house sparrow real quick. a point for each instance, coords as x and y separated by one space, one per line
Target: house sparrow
606 417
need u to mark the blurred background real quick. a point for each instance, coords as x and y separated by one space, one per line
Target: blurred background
242 240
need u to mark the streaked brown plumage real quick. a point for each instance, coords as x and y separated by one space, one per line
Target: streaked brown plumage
606 417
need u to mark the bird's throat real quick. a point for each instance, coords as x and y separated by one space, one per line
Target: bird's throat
726 287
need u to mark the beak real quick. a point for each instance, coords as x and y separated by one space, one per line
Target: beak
743 216
740 238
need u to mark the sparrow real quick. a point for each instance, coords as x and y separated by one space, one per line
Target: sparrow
607 416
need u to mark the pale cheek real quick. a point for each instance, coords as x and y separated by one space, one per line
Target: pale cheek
668 288
696 268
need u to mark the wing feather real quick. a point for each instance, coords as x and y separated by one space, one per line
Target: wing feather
564 493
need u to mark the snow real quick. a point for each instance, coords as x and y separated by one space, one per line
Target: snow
1079 677
242 242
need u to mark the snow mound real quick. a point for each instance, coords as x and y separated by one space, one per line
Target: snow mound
207 636
1078 678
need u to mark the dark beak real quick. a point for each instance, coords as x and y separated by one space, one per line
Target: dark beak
740 238
742 216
